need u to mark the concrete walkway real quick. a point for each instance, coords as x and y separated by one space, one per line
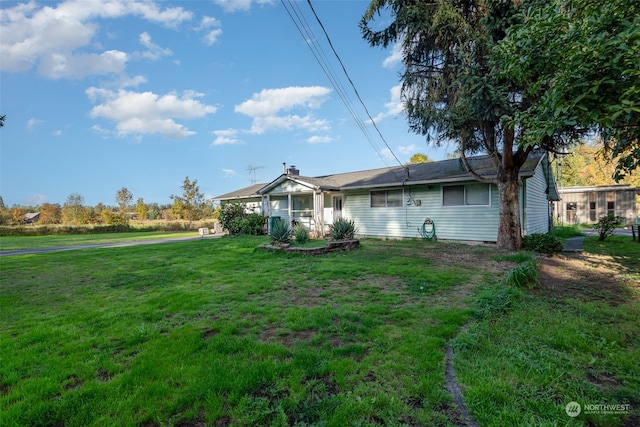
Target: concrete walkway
573 244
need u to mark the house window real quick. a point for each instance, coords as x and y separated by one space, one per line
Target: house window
302 205
592 206
611 203
386 199
466 195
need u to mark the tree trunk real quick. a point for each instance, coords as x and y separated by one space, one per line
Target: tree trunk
509 227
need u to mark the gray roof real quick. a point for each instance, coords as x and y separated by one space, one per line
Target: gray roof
243 193
422 173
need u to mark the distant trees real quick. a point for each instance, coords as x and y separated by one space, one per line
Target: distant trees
589 165
50 214
123 198
190 205
141 209
419 158
73 211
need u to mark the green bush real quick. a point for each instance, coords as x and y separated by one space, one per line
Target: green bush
342 229
231 216
607 224
301 235
252 224
235 219
280 232
542 243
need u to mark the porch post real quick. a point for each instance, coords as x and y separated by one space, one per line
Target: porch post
318 213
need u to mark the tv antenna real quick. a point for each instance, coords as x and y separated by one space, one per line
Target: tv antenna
252 170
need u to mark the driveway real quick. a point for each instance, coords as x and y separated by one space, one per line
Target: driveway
36 251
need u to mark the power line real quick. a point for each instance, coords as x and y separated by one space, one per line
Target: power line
351 82
308 35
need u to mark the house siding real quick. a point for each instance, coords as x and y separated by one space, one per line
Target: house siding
536 206
452 222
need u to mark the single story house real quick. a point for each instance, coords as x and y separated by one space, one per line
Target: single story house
395 202
585 205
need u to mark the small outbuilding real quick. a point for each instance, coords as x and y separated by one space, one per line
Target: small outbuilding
585 205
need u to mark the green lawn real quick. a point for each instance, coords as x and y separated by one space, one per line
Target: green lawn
49 241
217 332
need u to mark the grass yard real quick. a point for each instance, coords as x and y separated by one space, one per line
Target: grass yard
49 241
217 332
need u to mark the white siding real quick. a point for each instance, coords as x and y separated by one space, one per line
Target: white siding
536 203
478 223
290 187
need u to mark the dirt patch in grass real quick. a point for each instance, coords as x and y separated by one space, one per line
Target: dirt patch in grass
585 277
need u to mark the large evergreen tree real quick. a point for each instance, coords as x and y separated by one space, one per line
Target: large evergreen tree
451 89
505 77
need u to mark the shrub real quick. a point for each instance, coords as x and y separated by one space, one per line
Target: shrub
607 224
252 224
231 216
301 235
342 229
543 243
280 232
235 219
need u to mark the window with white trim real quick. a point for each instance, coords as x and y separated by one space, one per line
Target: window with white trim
466 195
302 205
386 198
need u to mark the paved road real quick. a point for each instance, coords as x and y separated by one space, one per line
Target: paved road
36 251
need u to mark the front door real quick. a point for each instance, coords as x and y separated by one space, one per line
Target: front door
337 208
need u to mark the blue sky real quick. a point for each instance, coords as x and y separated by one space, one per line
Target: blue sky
101 95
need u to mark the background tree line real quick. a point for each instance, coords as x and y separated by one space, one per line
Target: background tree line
191 205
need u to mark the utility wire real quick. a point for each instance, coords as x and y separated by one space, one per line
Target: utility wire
307 34
352 84
311 40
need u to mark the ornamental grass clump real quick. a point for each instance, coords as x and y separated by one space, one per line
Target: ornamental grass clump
300 234
342 229
280 232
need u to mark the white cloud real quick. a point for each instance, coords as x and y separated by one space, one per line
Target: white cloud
226 137
394 107
48 37
78 66
229 173
211 26
265 108
32 123
394 58
316 139
143 113
36 200
57 133
235 5
407 149
155 52
387 154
